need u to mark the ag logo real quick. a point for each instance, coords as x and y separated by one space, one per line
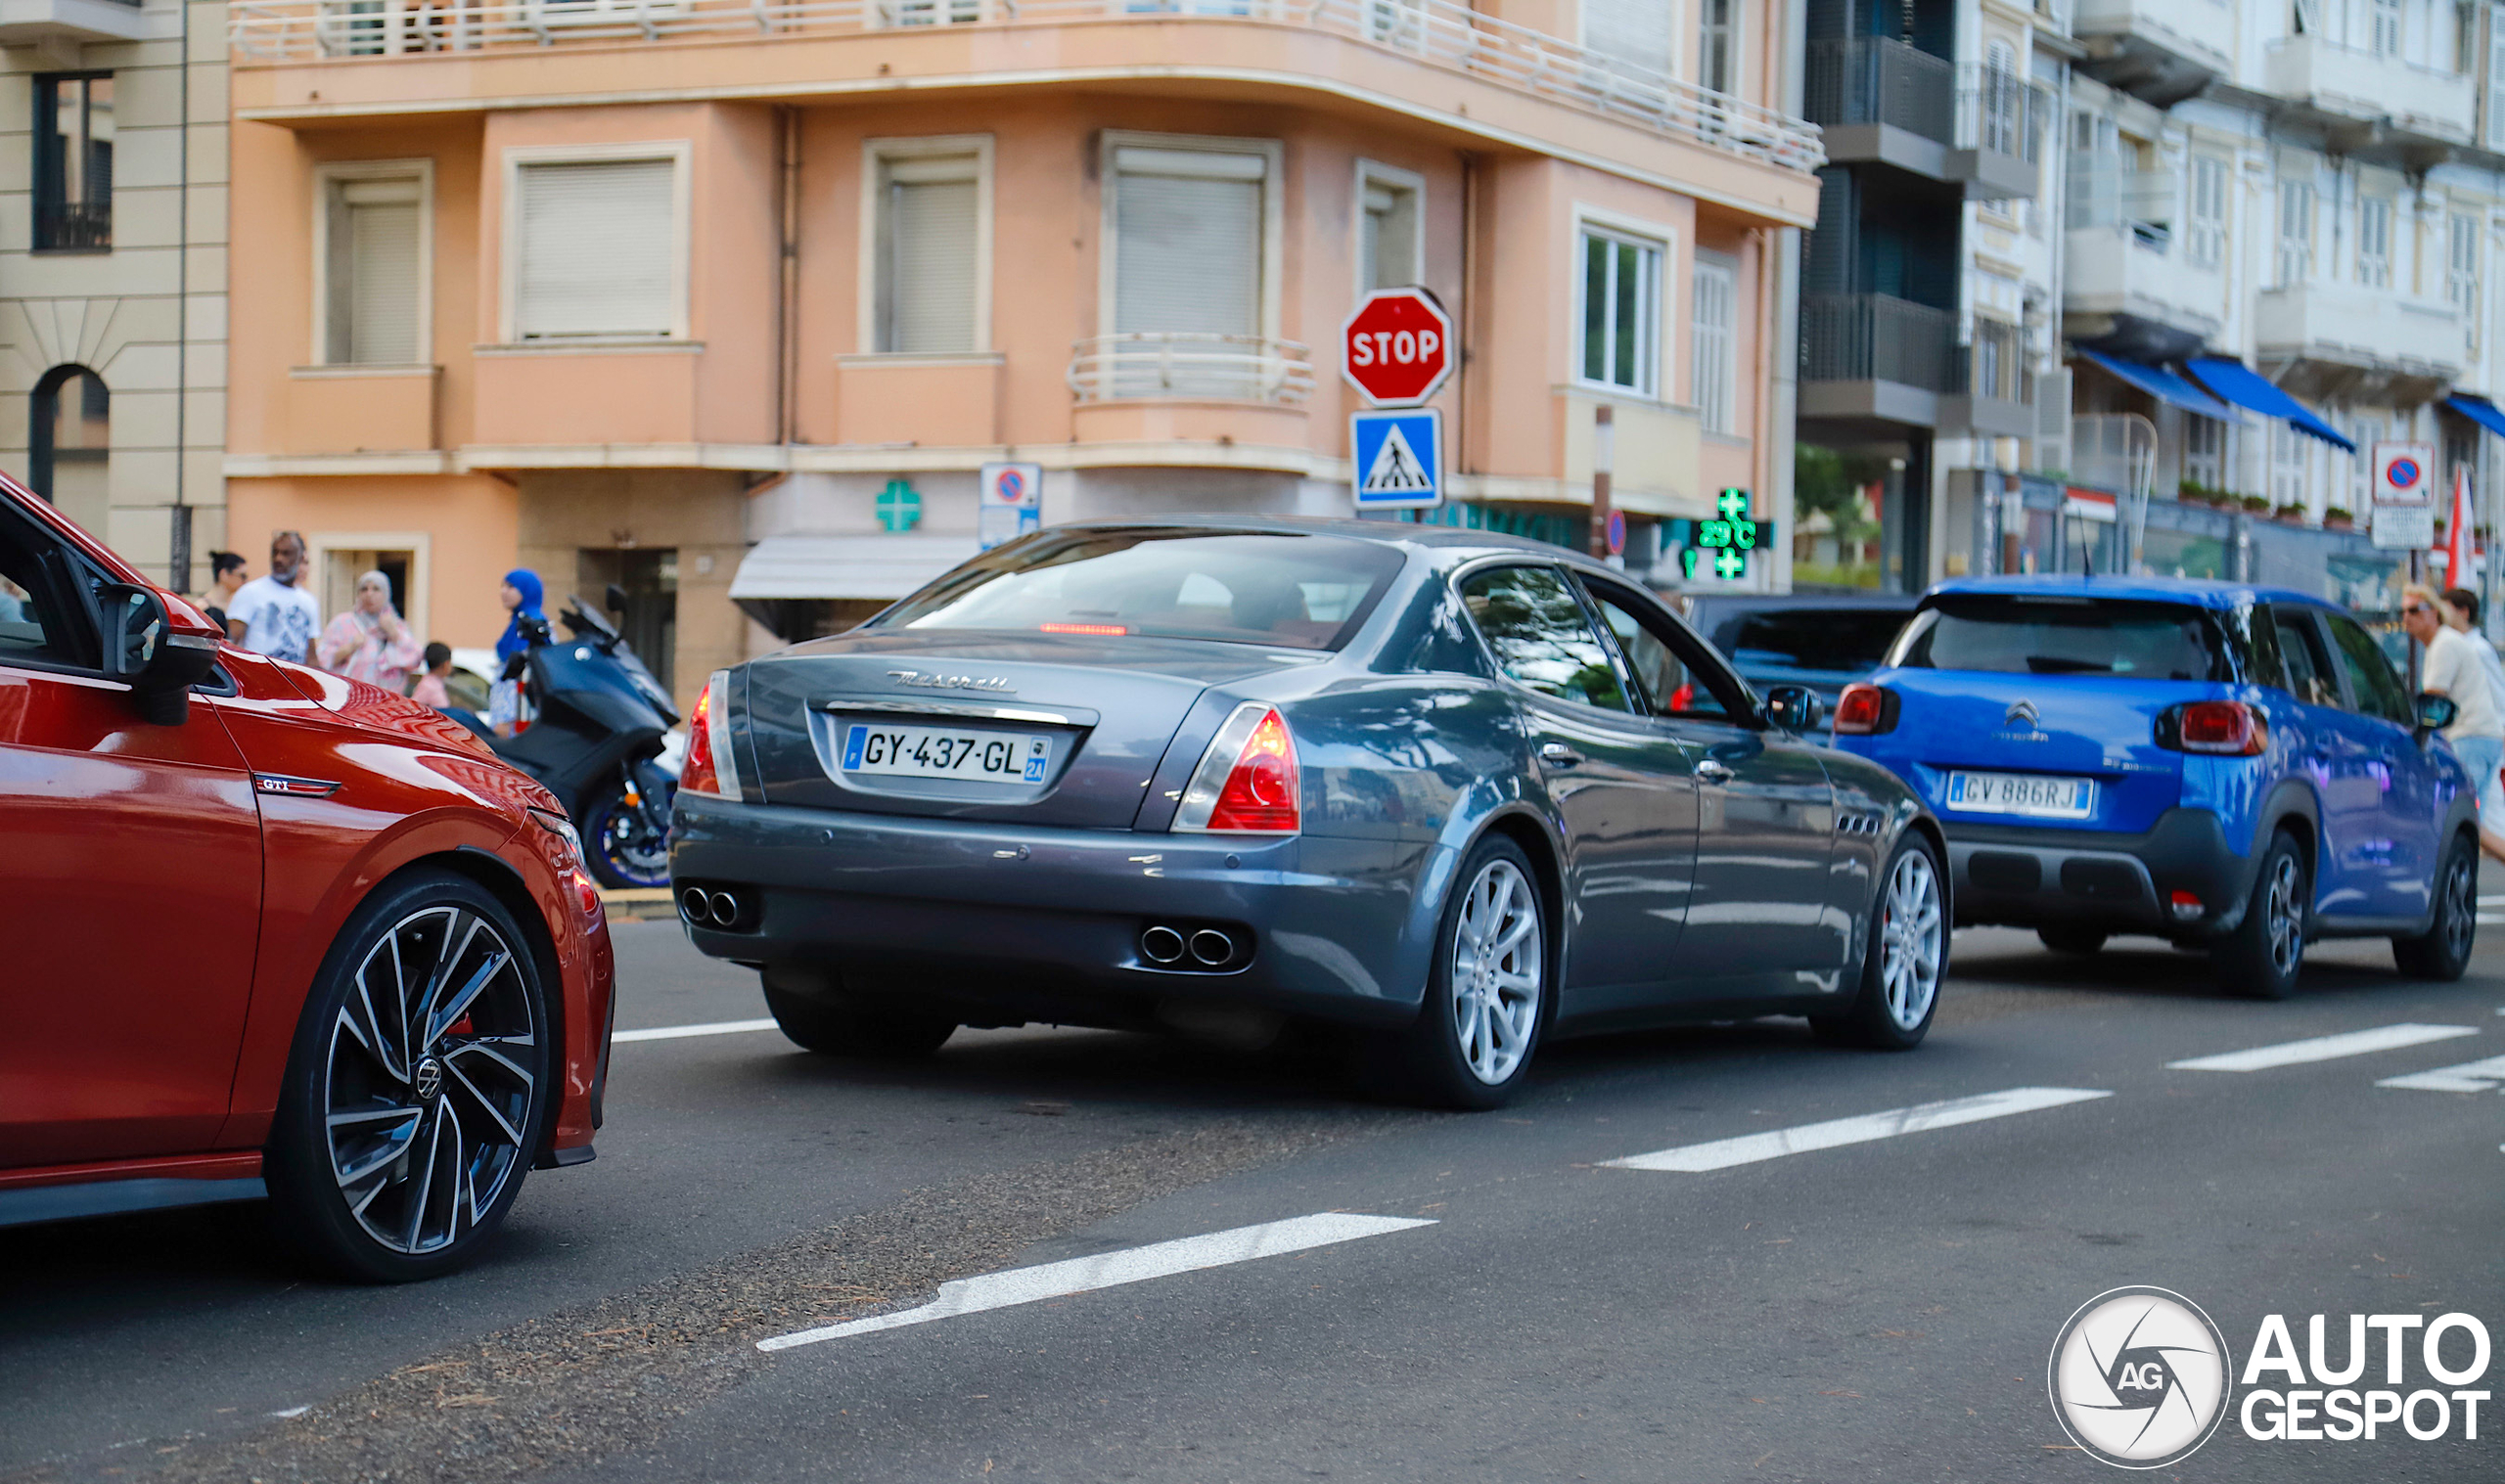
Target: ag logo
2139 1378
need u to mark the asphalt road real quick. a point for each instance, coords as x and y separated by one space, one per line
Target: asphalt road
1878 1310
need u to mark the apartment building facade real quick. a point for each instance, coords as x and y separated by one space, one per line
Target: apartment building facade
112 270
730 304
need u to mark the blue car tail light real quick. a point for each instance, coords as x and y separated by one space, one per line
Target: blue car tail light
2222 728
1865 710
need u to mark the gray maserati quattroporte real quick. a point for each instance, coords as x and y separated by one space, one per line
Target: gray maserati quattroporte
1447 790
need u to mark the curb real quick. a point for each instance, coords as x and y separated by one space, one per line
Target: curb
639 904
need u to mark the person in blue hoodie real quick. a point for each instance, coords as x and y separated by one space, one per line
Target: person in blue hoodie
523 594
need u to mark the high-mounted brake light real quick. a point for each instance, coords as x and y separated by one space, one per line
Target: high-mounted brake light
1111 630
709 767
2228 728
1864 709
1246 782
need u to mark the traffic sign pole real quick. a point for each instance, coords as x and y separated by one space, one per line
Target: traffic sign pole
1604 458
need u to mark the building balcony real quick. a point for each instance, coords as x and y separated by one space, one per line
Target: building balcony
2341 340
2365 99
2138 279
25 23
325 59
1227 368
1882 101
2162 51
929 401
1875 362
352 410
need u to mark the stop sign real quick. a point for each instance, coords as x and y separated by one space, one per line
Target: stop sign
1398 347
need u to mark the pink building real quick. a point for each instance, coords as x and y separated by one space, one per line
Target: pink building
730 302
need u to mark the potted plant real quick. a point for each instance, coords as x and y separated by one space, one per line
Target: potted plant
2289 514
2259 505
2191 492
2338 517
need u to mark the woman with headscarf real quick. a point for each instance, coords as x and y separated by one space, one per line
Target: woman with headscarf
369 642
507 710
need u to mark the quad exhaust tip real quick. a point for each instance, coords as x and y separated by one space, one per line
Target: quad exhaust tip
1162 945
1212 948
717 909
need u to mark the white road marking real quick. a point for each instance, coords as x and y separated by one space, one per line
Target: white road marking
2491 918
2355 1042
1106 1270
292 1411
2469 1077
1749 1148
674 1032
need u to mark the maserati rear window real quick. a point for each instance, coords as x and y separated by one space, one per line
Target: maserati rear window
1241 587
2014 635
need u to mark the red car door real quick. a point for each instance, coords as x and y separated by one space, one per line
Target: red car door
130 888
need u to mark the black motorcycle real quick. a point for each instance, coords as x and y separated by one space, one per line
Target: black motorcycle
594 727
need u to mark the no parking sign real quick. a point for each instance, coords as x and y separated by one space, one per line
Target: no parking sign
1012 501
2404 515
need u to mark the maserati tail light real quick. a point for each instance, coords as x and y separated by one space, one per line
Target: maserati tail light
708 768
1246 782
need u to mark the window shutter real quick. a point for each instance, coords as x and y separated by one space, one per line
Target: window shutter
1713 367
2496 77
1188 233
599 250
2053 420
373 263
933 226
1632 31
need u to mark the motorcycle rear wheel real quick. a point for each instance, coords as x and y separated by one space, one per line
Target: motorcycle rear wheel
624 850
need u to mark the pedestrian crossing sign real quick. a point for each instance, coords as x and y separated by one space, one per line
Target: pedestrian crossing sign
1397 458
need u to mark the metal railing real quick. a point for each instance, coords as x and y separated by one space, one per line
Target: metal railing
1442 32
62 224
1999 110
1877 338
1232 367
1876 79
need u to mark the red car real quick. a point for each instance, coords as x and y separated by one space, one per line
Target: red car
267 931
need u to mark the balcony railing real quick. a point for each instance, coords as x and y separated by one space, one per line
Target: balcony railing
72 224
1873 79
1877 338
2001 112
1440 32
1232 367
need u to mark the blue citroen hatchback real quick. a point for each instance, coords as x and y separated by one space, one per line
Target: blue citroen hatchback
2227 766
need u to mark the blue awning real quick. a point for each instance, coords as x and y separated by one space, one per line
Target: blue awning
2481 411
2244 387
2164 385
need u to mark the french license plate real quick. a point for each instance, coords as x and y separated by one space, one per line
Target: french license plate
997 757
2030 793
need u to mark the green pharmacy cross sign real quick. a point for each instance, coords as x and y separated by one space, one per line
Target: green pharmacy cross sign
899 507
1720 546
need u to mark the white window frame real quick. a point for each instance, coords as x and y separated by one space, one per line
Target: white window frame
876 154
2464 228
2374 259
1738 49
328 178
1727 425
1376 172
1272 151
2206 232
1678 59
1667 343
680 152
2294 250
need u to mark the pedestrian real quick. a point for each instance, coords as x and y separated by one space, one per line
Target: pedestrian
2461 615
225 580
2452 669
275 616
523 592
430 690
369 642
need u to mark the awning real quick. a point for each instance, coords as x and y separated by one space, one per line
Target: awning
869 565
2481 411
2164 385
2089 504
2244 387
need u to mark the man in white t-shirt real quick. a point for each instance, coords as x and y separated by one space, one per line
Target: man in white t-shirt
2461 615
2452 669
275 616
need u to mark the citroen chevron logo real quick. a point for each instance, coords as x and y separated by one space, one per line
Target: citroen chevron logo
2022 715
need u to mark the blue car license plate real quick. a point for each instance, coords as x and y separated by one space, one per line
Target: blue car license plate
2028 793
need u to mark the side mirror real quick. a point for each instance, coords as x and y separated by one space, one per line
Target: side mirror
141 651
614 599
2435 712
1794 708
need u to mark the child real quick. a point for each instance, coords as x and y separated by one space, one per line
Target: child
430 690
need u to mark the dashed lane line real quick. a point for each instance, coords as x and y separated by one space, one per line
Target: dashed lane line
2469 1077
2355 1042
1106 1270
1749 1148
677 1032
